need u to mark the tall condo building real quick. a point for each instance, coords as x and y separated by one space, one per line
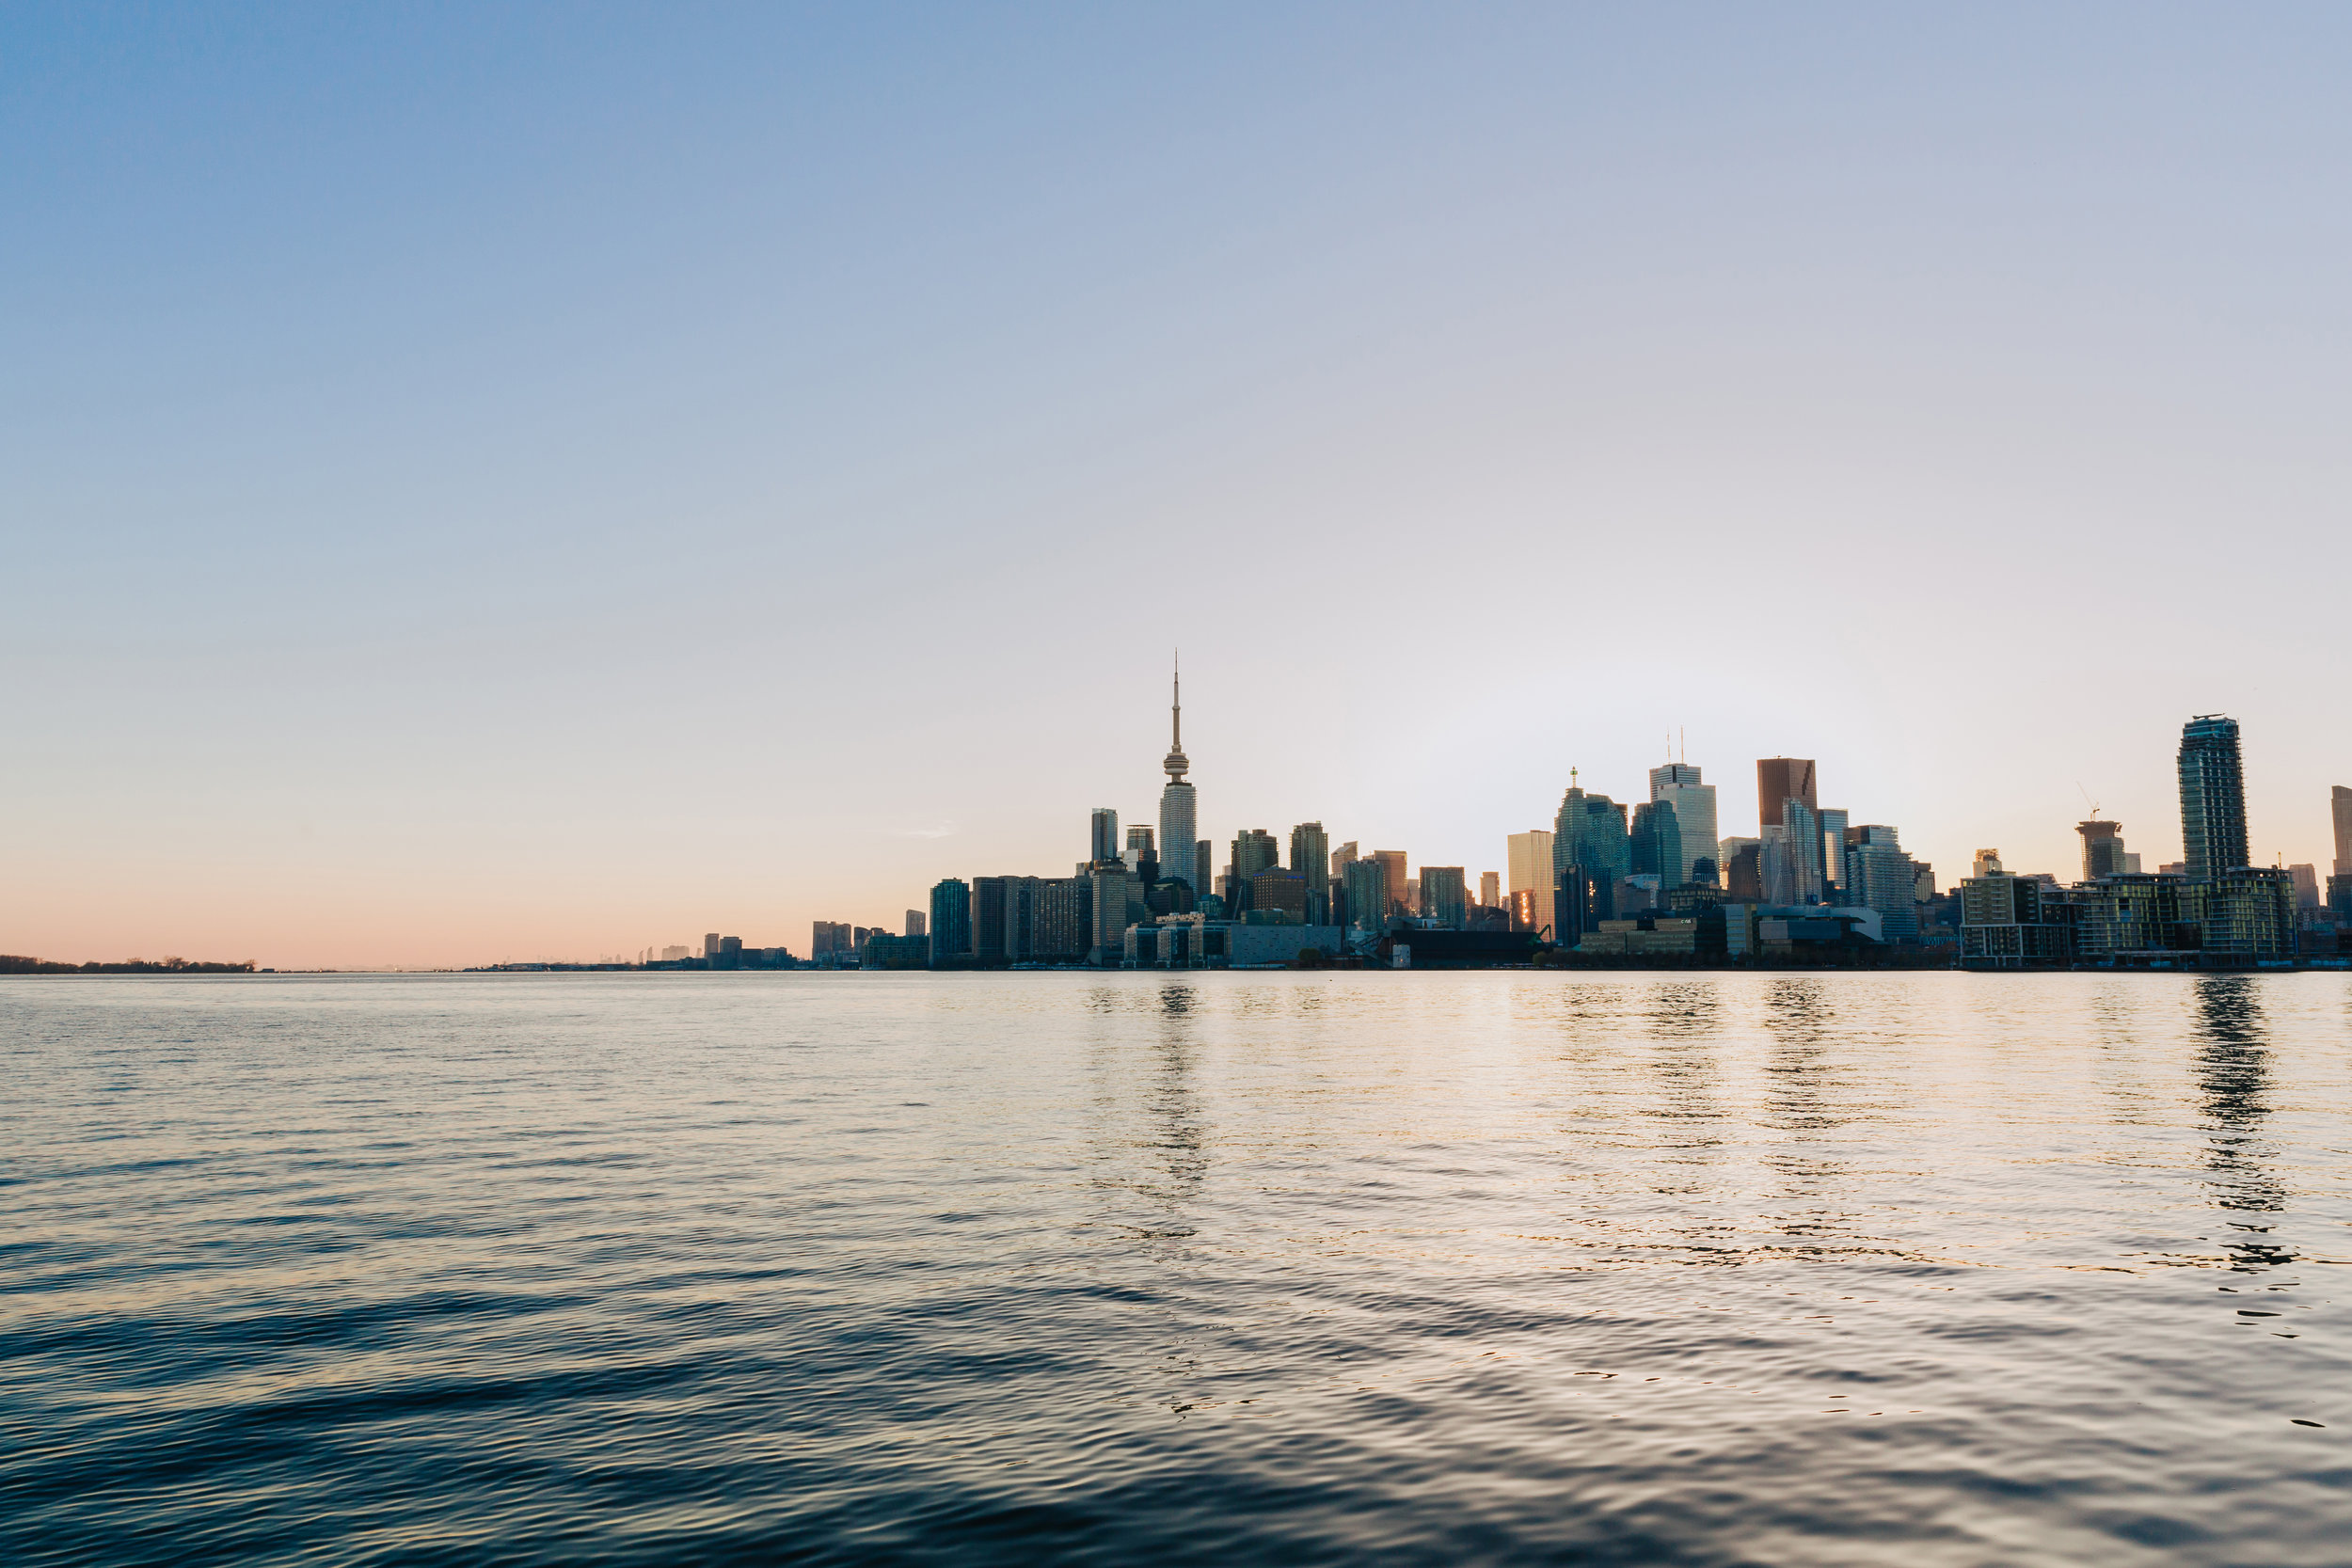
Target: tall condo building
1310 857
1179 812
1254 850
915 926
2213 798
1366 883
1444 895
951 919
1106 836
1779 779
1392 872
1528 864
1490 889
1677 783
2340 803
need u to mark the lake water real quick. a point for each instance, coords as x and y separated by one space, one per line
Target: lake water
1928 1268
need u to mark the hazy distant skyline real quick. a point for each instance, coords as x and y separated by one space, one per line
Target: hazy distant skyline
554 481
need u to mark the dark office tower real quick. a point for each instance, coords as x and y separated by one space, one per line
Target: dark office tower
1366 885
1779 779
2102 848
987 914
1657 842
951 919
1106 836
1254 850
1445 896
1580 901
1203 869
2340 801
1310 855
1743 878
2213 798
1590 832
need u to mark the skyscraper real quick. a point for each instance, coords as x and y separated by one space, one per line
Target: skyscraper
1532 872
1179 818
1254 850
1444 895
1310 857
1779 779
2340 803
1833 846
2102 848
1106 836
915 926
951 919
2213 798
1695 813
1490 890
1590 832
1366 882
1656 842
1392 872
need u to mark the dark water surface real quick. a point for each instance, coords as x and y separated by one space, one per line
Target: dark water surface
1922 1268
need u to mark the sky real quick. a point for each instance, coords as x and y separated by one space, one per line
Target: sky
490 482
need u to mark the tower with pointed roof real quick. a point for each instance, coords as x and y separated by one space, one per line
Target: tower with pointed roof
1179 812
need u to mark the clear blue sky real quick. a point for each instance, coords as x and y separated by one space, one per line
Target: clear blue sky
511 480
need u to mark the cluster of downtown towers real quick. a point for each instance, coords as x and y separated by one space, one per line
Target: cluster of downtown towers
1600 861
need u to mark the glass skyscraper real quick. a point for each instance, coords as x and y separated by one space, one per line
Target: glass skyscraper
1590 833
1694 802
2213 798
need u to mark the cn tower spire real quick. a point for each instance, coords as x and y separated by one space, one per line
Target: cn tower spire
1175 762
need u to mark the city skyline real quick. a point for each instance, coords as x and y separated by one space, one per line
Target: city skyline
561 488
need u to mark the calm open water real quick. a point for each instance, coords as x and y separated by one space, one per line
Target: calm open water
1929 1269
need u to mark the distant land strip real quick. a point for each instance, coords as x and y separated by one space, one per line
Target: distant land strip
14 963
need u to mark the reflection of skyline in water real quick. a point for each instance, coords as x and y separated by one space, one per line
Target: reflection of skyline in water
2233 1078
1802 1016
1151 1151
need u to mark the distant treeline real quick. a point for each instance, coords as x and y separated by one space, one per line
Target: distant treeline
12 963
